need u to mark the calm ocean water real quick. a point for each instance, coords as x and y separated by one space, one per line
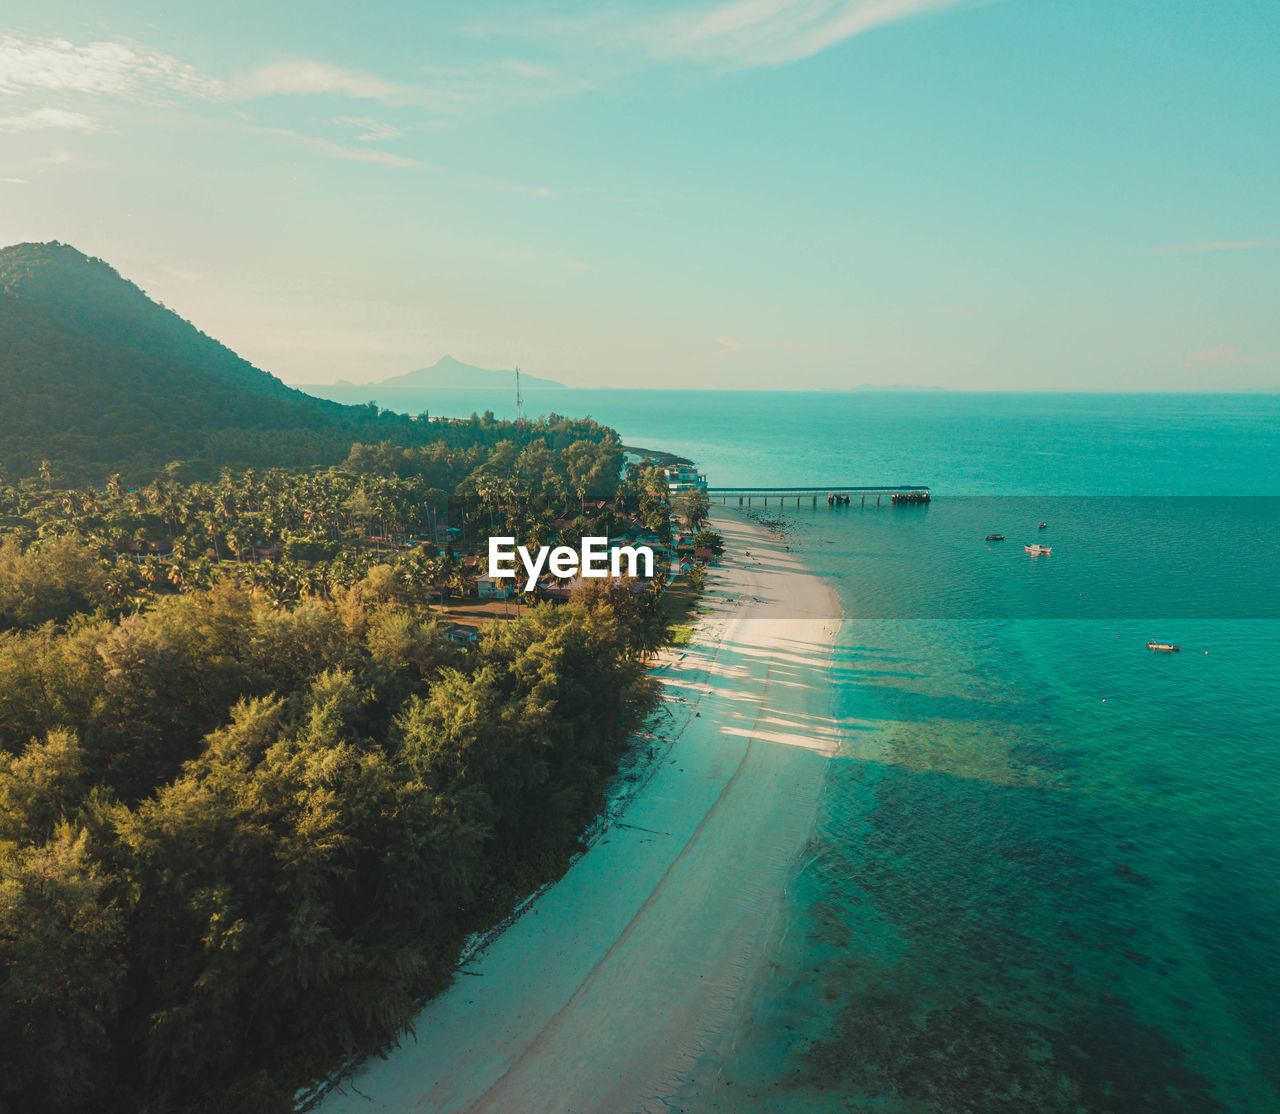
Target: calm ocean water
960 444
1046 875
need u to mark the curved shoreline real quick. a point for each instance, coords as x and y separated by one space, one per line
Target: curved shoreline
618 987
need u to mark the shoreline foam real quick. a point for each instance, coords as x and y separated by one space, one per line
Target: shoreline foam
618 988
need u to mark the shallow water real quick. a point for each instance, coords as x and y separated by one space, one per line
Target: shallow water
1045 870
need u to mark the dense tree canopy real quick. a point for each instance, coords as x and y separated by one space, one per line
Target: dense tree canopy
252 794
237 842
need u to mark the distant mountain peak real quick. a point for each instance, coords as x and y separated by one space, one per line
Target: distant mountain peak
448 371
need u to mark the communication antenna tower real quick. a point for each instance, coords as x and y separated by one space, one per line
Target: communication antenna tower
519 424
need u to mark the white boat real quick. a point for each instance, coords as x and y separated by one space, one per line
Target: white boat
1037 550
1163 647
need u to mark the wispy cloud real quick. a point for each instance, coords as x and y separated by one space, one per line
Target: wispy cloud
528 191
304 77
41 118
741 33
1196 246
1221 355
115 68
369 129
443 91
339 150
14 181
730 346
1218 354
126 69
55 158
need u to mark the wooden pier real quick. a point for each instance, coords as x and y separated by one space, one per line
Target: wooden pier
857 495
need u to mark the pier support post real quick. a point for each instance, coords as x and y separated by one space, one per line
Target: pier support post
739 500
815 501
864 498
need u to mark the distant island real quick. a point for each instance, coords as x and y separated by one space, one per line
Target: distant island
448 372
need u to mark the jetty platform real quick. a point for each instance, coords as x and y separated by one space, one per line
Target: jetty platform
747 496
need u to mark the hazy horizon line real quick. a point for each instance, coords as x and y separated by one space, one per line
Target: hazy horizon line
867 389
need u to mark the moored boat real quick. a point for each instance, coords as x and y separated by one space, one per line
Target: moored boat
1038 550
995 537
1163 647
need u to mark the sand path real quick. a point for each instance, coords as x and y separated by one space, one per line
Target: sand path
617 990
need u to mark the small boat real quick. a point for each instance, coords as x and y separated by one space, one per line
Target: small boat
995 537
1163 647
1037 550
1044 525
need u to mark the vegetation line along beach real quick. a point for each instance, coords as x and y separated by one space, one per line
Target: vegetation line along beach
271 744
617 988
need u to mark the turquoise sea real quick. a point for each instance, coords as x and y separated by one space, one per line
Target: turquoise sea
1046 875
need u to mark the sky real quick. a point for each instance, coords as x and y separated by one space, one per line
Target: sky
1009 194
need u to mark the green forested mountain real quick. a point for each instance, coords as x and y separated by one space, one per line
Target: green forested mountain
95 377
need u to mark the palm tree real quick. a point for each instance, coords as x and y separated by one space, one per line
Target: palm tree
177 573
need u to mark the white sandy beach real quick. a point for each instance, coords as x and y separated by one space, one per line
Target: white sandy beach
617 990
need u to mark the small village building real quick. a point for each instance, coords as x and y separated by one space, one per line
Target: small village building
494 588
462 634
559 591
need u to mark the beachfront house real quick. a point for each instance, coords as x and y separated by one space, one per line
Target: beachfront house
684 477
